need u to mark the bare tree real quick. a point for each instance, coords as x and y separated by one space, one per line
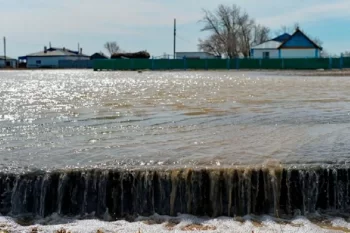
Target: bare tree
112 47
212 45
245 33
251 34
261 34
232 32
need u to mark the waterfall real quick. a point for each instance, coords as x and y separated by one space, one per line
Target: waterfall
210 192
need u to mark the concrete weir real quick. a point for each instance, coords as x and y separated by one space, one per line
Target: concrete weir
203 192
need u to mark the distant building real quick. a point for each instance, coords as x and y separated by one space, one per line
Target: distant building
8 62
194 55
99 55
297 45
50 57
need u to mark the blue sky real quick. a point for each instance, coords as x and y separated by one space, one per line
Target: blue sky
136 25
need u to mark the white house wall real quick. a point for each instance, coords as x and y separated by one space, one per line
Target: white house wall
287 53
258 53
298 53
50 61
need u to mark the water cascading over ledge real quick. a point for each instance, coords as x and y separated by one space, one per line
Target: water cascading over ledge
202 192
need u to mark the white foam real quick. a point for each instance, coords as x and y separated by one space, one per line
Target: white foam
158 223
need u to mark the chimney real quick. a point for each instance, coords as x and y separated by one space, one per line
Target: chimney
81 51
45 49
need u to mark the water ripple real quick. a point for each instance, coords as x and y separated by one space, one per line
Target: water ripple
54 119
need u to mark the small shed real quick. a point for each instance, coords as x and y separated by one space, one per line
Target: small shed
6 62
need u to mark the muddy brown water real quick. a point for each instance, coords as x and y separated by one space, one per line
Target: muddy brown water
117 144
57 119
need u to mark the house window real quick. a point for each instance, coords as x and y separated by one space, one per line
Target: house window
266 54
38 62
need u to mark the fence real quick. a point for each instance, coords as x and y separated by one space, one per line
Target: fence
77 64
220 64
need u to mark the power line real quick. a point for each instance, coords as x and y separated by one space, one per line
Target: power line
186 40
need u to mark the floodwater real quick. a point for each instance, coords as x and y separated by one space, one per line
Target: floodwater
52 120
58 119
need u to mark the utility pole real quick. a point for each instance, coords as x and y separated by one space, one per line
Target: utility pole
174 38
78 51
5 51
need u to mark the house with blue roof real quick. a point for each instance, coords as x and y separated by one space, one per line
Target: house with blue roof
297 45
